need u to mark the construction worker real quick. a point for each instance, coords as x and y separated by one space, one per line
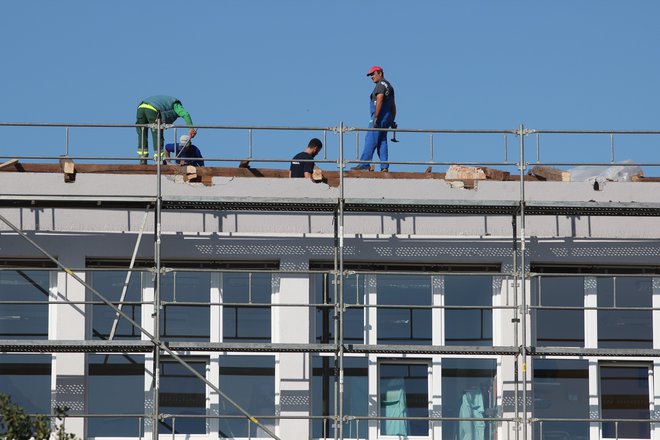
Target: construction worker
166 108
183 150
305 169
383 113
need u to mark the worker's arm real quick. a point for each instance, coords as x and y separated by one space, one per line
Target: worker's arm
379 105
181 112
308 175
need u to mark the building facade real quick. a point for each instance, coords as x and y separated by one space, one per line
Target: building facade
384 308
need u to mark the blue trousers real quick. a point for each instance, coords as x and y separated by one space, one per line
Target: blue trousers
376 141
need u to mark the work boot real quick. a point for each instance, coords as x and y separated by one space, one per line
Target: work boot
143 161
385 170
359 168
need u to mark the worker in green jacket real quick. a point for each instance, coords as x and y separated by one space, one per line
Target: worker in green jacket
168 109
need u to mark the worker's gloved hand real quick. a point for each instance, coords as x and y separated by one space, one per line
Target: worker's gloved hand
192 133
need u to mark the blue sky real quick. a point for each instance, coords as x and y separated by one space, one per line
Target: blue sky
454 65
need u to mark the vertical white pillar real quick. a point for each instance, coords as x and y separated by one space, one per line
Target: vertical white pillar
68 377
291 325
147 322
213 408
438 332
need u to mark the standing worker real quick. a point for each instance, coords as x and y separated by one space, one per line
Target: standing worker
305 169
383 113
168 109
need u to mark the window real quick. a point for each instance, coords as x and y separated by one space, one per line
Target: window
186 313
472 324
356 396
404 392
110 284
561 391
324 290
26 379
404 325
250 382
624 394
557 326
625 328
244 318
182 393
115 386
29 318
469 390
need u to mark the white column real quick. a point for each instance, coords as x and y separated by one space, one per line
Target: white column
147 323
590 316
68 377
291 325
438 332
655 408
213 408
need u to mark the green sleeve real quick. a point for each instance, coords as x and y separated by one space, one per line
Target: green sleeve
179 110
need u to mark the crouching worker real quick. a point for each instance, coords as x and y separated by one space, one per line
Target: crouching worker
185 152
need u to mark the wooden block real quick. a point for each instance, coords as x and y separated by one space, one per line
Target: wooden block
493 174
428 170
460 172
548 173
8 163
207 180
69 170
317 175
244 164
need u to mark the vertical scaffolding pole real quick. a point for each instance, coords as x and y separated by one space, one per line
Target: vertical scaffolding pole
523 279
156 314
340 231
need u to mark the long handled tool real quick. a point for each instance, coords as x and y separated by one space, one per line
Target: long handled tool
394 126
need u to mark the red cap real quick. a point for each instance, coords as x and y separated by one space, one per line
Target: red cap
374 69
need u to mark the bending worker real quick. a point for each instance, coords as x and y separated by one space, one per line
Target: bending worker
383 113
305 169
185 152
168 109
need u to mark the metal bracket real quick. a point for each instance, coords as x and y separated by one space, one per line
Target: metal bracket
525 132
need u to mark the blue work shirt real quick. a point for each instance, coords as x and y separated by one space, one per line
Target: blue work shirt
178 154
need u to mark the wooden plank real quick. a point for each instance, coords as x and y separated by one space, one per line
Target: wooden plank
8 163
493 174
548 173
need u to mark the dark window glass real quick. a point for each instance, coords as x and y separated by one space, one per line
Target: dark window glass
559 327
324 289
115 386
472 324
182 393
30 319
244 318
356 396
403 392
250 382
111 284
26 379
561 391
625 328
404 325
624 394
187 316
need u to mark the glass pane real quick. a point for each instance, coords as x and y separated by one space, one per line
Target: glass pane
625 328
246 323
404 325
353 316
557 327
26 379
561 390
182 393
356 395
250 382
468 326
186 322
625 395
404 393
110 284
24 321
115 386
469 390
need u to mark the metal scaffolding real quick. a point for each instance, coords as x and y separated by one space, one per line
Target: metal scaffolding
339 208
